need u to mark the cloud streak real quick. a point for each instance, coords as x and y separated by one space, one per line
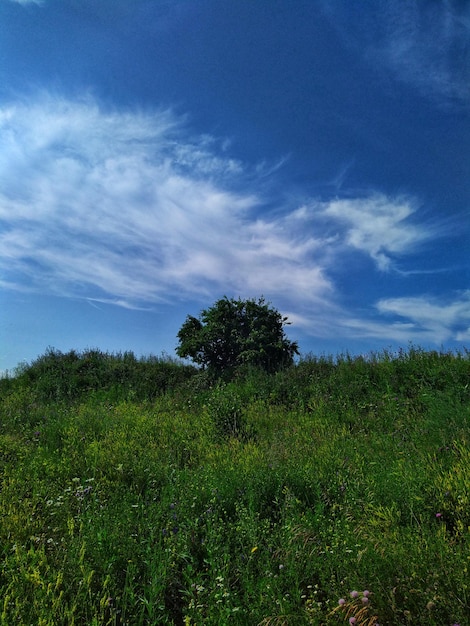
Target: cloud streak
126 207
123 205
427 46
441 320
26 2
423 44
379 226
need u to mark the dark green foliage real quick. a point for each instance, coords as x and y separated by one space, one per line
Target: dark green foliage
58 376
226 411
115 511
233 333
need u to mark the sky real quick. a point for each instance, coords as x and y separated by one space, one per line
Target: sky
157 155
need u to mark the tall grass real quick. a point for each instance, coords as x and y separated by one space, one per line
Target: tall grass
142 492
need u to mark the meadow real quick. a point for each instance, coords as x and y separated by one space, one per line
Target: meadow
143 492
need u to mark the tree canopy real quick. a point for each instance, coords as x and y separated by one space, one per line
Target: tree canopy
236 332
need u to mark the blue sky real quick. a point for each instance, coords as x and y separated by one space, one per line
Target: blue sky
156 155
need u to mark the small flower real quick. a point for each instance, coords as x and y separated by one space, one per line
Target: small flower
366 593
352 620
364 599
438 515
281 566
341 601
354 594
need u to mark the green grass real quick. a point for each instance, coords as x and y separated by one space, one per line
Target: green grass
143 492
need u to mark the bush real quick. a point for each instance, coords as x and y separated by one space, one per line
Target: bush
226 411
234 333
57 376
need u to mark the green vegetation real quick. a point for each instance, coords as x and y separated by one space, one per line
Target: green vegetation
233 333
140 491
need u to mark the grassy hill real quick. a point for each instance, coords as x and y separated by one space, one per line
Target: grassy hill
141 491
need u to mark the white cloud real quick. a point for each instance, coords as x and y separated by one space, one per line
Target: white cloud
423 44
378 226
427 46
124 206
428 316
25 2
422 320
464 335
418 319
398 332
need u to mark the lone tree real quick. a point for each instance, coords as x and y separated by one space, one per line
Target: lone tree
236 332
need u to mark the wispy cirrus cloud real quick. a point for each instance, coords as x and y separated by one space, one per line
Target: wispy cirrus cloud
25 2
421 319
126 205
129 208
427 46
385 228
423 44
440 319
380 226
